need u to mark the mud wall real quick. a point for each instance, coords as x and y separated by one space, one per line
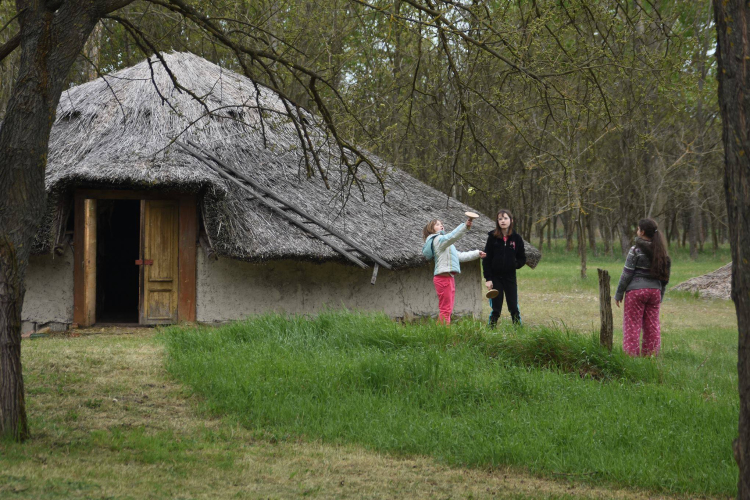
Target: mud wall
49 292
229 289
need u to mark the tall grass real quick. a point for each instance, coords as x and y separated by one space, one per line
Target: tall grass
545 399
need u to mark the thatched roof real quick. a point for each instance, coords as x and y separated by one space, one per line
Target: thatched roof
116 132
714 285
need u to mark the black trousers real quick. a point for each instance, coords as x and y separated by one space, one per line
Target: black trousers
508 287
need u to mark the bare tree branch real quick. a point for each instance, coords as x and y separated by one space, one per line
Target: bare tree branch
8 47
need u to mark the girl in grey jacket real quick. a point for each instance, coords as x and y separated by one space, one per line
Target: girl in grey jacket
642 284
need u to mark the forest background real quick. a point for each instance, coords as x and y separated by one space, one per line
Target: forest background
580 116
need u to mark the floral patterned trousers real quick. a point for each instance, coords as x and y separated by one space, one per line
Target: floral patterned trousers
642 313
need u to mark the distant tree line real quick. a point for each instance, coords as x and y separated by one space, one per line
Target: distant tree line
597 114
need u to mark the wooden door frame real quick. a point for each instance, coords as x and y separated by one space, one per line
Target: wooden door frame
84 277
187 249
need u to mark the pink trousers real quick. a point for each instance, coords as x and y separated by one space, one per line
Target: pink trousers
641 313
445 286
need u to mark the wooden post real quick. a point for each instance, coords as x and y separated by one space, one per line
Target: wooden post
89 251
84 274
605 309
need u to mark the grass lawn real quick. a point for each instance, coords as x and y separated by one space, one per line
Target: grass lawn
358 407
108 422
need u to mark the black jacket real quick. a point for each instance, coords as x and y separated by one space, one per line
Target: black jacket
503 257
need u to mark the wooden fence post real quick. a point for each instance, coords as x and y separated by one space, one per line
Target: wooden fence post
605 309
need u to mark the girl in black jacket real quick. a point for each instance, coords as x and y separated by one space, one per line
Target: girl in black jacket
505 254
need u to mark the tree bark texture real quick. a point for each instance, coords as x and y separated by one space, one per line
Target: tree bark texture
733 56
695 220
581 244
625 238
13 424
605 309
540 230
93 50
674 232
568 224
591 231
52 35
607 235
685 229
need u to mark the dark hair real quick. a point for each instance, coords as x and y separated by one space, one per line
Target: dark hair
499 232
429 229
656 251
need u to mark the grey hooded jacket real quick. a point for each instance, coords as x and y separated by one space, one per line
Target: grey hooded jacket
636 274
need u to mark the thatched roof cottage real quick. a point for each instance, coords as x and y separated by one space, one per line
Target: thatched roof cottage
141 231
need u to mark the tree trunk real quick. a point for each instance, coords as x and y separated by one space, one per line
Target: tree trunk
733 52
568 224
13 424
591 226
50 42
715 234
695 224
624 238
606 232
685 229
674 232
554 226
540 231
549 235
93 53
581 245
605 309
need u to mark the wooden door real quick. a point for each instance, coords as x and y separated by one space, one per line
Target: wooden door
159 256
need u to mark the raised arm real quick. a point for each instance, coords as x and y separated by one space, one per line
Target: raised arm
445 241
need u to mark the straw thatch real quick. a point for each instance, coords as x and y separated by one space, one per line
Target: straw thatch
714 285
116 132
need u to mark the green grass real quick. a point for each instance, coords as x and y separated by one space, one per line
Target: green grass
541 398
563 268
306 407
554 293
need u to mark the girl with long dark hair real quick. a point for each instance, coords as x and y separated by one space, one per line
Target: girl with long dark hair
643 283
505 253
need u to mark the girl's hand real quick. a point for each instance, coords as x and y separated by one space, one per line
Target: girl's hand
482 255
469 221
617 303
488 284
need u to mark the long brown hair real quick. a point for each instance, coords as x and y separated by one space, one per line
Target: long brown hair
429 229
499 232
657 250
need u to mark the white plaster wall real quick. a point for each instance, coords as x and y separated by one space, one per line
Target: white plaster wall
229 289
49 289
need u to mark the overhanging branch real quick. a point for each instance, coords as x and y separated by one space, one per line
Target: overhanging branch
10 46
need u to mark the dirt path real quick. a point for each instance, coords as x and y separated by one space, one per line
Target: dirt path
107 422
